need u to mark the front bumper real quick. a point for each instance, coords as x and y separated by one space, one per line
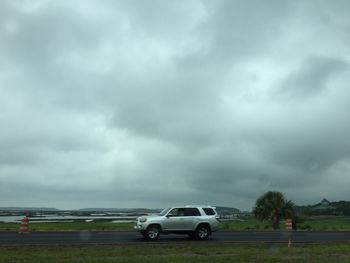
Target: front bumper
139 226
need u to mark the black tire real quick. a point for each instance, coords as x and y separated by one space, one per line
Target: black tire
202 232
152 233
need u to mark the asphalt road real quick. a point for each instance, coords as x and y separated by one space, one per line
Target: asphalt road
127 237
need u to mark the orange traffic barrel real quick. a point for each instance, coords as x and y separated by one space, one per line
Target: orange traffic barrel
24 227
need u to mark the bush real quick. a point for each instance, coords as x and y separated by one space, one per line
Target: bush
226 225
306 227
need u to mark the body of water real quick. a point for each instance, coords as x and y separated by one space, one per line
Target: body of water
68 218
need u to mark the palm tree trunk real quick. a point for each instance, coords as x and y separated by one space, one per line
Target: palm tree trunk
275 222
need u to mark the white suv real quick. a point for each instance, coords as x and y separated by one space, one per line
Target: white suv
197 221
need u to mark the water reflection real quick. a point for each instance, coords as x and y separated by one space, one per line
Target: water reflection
59 218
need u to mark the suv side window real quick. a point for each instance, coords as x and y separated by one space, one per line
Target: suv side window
192 212
176 212
209 211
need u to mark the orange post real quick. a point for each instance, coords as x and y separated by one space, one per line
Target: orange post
289 227
24 227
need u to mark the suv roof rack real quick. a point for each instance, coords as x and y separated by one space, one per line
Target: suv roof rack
200 206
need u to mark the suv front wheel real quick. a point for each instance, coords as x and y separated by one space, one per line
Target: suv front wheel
152 233
202 232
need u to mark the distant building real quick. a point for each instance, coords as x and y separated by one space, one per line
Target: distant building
325 202
324 207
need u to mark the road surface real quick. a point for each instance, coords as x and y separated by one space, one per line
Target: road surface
128 237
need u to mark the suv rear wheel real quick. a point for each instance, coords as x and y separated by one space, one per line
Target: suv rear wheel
202 232
152 232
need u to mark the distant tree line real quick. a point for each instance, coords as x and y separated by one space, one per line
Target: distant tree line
341 208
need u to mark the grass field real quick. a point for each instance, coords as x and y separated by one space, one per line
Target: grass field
326 223
176 253
77 226
311 223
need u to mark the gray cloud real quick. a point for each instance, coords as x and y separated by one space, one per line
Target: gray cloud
313 77
122 103
243 28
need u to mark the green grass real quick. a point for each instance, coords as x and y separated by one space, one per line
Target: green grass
176 253
76 226
314 223
310 223
326 223
247 224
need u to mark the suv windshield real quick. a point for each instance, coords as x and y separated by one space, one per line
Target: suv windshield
164 211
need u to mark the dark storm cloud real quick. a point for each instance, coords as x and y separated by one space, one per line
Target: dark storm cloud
243 28
129 103
39 37
313 76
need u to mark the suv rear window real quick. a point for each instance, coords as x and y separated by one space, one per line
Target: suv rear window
209 211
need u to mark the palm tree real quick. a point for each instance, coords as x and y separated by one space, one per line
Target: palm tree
273 206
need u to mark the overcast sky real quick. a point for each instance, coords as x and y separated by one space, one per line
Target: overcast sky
154 103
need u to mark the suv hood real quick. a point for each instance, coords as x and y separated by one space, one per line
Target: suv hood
155 217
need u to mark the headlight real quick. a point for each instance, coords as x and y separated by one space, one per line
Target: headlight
143 220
